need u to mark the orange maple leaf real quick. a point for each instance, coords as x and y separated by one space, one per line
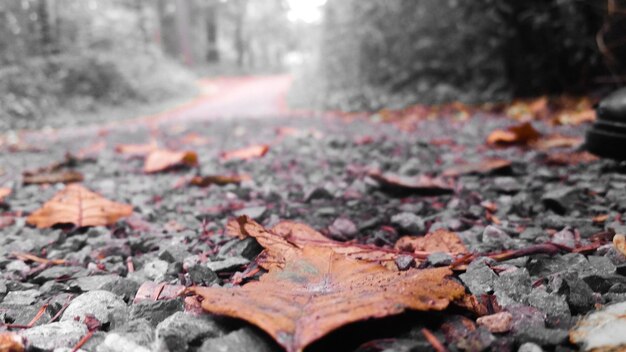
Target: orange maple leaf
162 159
312 290
79 206
523 133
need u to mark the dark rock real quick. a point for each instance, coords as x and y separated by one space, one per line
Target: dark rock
23 314
580 296
105 306
155 311
554 305
59 272
317 193
122 287
244 339
248 248
202 275
408 223
180 330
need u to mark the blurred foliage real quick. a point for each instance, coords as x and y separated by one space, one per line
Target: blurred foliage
390 53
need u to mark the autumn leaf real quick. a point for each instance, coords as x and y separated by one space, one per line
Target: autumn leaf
522 134
11 342
524 110
162 159
575 118
557 141
302 235
255 151
570 158
220 180
137 149
4 192
311 291
415 184
79 206
438 241
53 177
482 167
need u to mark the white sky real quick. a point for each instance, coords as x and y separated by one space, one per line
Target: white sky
308 11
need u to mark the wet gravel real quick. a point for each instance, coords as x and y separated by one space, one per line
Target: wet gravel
316 173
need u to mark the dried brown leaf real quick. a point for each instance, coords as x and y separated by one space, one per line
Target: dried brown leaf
11 342
557 141
522 134
162 159
421 184
53 177
438 241
79 206
220 180
570 158
483 167
4 192
251 152
137 149
311 291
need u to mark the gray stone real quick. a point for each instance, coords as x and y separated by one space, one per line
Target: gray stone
478 277
477 340
244 339
228 264
55 335
506 184
92 282
511 286
155 311
115 342
529 347
122 287
439 259
156 270
317 193
139 331
180 330
409 223
105 306
255 213
565 237
202 275
495 237
532 234
404 262
25 297
559 200
580 296
554 305
602 330
343 229
23 314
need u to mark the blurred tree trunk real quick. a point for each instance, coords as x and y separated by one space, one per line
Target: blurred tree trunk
182 28
241 45
210 18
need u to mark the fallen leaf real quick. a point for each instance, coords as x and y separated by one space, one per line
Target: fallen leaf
483 167
575 118
619 242
53 177
255 151
11 342
4 192
137 149
416 184
162 159
153 291
497 323
311 291
521 134
195 139
302 235
438 241
524 110
79 206
557 141
220 180
570 158
600 219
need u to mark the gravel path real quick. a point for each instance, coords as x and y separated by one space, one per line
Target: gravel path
316 173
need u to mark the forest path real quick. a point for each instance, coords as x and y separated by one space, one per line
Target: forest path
219 98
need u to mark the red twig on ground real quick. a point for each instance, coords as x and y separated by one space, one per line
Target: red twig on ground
434 341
